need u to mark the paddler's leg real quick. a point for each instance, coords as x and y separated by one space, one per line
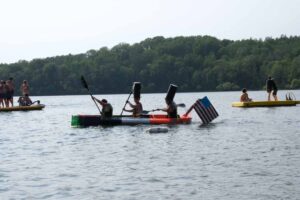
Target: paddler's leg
269 95
275 95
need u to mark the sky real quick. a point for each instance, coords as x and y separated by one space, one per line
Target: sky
33 29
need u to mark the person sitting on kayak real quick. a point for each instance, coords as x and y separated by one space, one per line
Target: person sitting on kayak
244 97
107 109
171 109
24 100
137 109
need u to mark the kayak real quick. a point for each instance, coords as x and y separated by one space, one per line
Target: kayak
265 103
23 108
96 120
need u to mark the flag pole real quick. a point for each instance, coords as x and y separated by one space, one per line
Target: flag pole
189 110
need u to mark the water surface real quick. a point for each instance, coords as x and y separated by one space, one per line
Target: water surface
251 153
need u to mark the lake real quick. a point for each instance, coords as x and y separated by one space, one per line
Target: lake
251 153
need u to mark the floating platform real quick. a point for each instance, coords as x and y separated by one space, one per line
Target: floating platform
265 103
96 120
23 108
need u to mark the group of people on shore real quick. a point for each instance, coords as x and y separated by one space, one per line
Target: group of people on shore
136 108
271 89
7 91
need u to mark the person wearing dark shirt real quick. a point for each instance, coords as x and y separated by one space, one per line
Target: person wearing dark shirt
107 109
271 88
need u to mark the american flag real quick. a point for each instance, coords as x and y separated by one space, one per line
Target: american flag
205 110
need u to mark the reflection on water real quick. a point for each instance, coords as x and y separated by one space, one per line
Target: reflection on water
244 154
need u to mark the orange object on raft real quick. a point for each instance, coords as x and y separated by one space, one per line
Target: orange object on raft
96 120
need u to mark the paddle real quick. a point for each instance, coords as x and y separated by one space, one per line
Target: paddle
38 102
145 112
126 103
182 105
85 85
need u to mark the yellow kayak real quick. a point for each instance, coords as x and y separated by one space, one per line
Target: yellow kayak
23 108
265 103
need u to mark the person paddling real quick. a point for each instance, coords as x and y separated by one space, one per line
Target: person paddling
107 109
171 108
137 108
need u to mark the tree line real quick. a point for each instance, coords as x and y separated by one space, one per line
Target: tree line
195 63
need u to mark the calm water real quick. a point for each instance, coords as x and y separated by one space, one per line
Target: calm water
244 154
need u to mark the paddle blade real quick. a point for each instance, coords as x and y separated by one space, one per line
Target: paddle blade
181 105
84 83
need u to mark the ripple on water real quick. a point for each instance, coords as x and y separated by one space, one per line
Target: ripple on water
243 154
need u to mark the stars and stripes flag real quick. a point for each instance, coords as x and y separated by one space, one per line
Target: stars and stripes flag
205 110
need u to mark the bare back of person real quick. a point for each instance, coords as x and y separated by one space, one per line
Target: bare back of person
25 88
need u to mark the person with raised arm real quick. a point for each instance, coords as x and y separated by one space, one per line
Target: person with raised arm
107 109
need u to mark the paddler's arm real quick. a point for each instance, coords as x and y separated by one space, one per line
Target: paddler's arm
130 104
96 99
128 110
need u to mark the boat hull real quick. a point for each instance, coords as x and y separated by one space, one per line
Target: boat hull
23 108
264 103
96 120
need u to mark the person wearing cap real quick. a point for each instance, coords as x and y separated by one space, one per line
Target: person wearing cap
271 87
136 108
171 108
107 109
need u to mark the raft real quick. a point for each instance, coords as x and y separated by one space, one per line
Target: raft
96 120
264 103
23 108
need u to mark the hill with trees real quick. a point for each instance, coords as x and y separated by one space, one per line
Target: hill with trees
195 63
